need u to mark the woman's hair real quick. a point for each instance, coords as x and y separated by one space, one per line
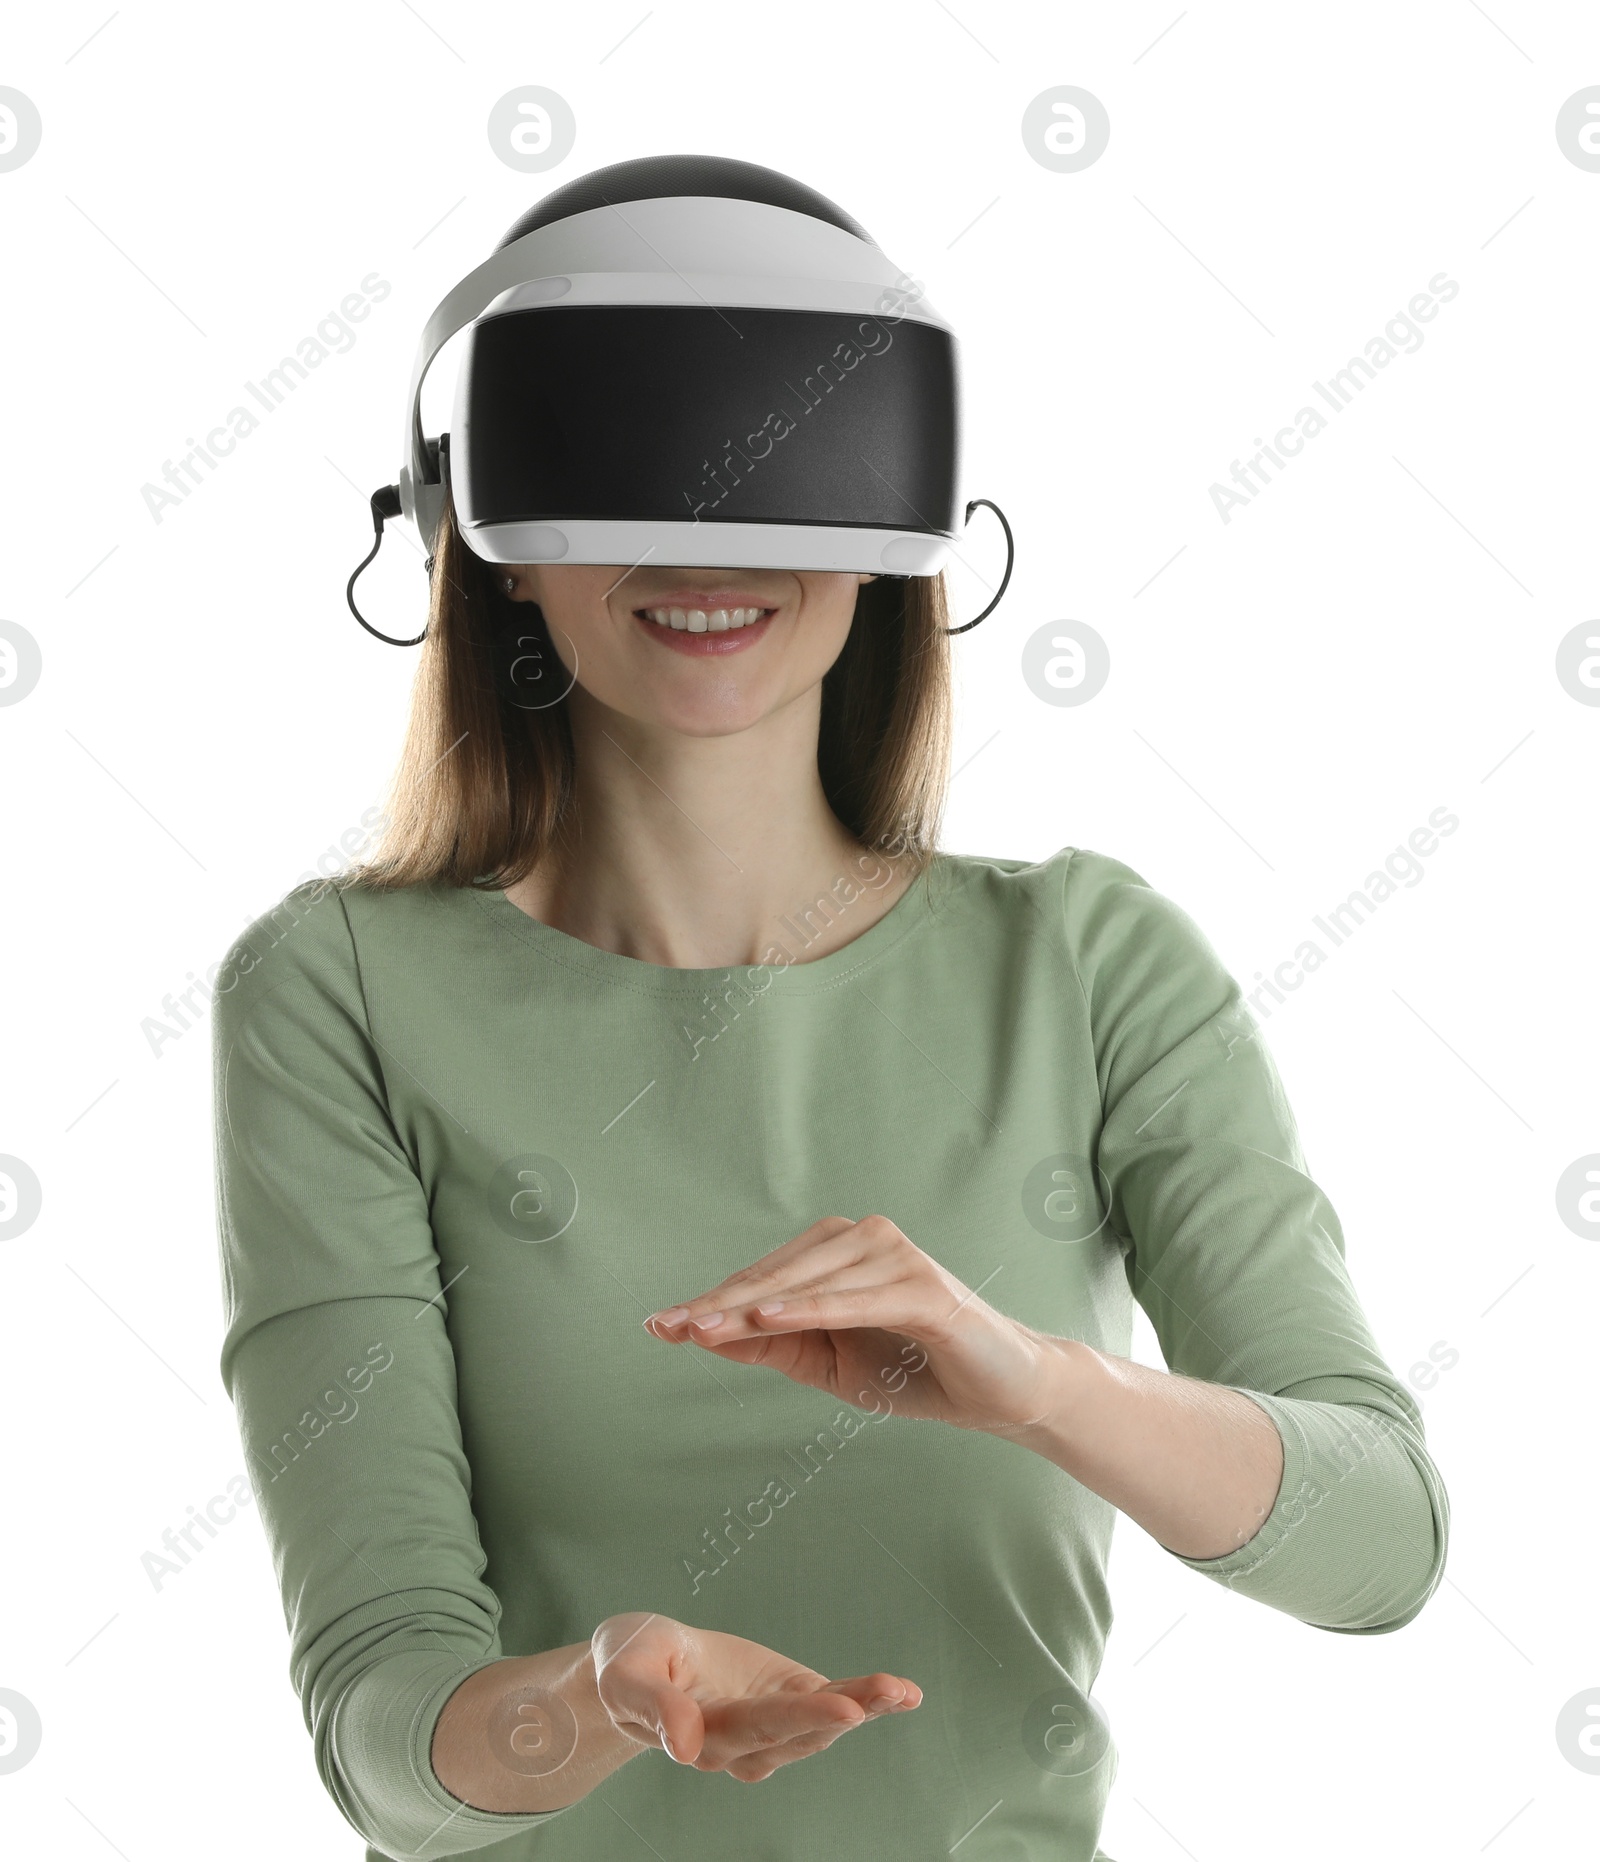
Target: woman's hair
484 788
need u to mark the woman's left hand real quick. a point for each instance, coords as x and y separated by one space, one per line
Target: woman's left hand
857 1309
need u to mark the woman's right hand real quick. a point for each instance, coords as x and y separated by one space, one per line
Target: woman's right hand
720 1703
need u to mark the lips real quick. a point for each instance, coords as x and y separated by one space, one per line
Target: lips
726 618
706 632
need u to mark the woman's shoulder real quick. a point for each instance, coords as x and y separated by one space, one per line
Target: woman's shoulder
1105 908
1072 872
320 929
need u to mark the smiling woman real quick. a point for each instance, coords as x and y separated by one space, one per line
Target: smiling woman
918 1175
520 661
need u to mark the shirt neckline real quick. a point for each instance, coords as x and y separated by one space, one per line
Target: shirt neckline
797 975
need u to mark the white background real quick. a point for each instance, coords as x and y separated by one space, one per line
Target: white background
1292 692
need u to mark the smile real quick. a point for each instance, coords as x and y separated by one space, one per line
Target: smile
704 621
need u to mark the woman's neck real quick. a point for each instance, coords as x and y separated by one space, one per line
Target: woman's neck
702 853
677 907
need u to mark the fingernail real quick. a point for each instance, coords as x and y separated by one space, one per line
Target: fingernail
672 1315
708 1320
881 1703
771 1306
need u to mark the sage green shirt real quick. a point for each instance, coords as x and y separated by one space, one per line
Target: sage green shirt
461 1154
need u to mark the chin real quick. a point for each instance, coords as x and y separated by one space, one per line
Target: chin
703 721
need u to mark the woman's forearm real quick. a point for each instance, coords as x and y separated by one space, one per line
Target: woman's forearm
529 1733
1196 1464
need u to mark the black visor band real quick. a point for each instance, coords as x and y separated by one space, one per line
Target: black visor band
690 413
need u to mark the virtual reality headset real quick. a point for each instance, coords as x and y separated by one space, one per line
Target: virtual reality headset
690 361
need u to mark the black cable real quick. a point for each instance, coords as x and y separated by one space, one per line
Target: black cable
1011 552
385 503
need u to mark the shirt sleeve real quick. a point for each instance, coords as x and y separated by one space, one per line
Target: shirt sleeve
341 1372
1237 1257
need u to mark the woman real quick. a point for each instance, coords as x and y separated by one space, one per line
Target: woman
679 1232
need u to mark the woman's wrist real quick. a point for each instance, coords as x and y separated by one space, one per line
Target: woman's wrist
529 1733
1068 1368
1196 1464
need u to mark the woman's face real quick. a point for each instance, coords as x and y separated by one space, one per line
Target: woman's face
613 631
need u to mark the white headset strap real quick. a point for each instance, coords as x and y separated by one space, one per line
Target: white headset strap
515 264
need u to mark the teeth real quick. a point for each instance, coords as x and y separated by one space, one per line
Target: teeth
702 621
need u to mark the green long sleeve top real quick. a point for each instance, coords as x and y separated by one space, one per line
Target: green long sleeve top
461 1154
